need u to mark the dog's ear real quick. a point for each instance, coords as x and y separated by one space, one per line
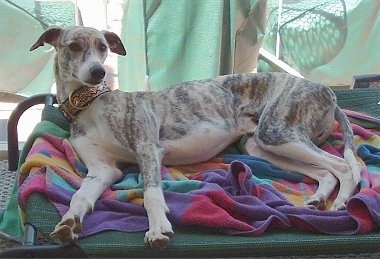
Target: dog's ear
50 36
114 42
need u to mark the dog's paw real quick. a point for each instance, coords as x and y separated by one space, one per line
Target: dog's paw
159 237
67 229
338 206
316 203
347 188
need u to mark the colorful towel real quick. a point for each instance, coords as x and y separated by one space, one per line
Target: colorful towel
235 194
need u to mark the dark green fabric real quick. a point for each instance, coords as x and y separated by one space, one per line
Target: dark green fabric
10 222
363 100
199 242
173 41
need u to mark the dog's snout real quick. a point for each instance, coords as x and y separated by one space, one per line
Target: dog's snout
97 73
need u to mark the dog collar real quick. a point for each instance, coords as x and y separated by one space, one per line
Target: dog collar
80 99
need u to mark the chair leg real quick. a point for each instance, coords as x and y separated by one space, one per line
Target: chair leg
30 250
45 251
30 235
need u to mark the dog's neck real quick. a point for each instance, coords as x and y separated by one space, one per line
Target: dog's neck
80 99
74 97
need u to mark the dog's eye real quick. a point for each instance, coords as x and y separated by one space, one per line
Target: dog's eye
74 47
102 48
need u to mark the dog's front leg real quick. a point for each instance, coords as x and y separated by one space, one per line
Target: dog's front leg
102 172
160 231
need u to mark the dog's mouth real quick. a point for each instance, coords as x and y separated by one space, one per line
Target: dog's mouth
74 76
91 82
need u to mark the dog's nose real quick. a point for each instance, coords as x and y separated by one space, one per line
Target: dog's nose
97 73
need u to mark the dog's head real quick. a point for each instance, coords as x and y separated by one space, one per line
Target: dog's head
81 51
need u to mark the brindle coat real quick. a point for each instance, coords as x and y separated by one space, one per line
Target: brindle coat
189 123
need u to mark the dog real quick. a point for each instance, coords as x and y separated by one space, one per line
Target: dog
284 116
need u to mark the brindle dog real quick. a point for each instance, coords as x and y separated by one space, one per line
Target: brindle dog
188 123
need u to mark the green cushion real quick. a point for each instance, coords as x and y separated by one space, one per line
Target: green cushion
197 242
363 100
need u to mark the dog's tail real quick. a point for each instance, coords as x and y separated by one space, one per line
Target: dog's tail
348 139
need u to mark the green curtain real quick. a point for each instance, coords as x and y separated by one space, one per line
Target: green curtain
172 41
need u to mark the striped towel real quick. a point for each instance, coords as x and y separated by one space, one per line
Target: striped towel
236 194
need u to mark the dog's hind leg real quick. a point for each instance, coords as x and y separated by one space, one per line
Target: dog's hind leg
149 157
326 180
102 172
306 152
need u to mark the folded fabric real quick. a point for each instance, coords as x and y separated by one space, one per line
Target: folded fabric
235 194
